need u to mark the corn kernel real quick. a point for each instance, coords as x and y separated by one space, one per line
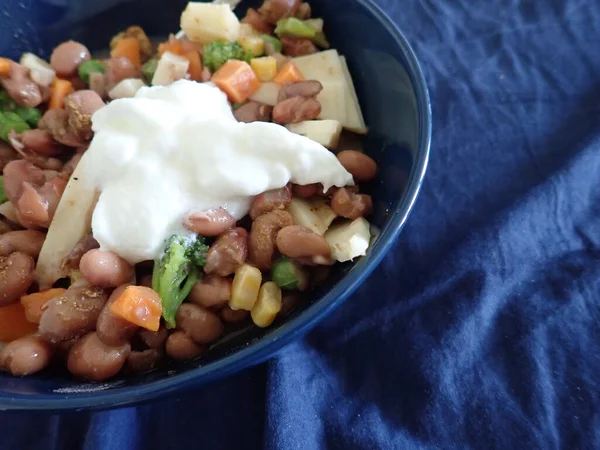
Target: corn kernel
267 306
247 30
265 68
253 44
245 287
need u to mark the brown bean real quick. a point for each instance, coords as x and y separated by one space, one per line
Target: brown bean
7 154
298 46
16 276
212 222
230 316
105 269
302 242
56 121
98 83
304 11
350 205
25 241
26 356
41 143
111 329
91 359
258 21
72 260
361 166
227 253
72 314
211 291
295 110
37 205
143 361
253 112
309 88
201 324
118 69
67 57
18 172
261 245
81 105
5 226
182 347
270 200
275 10
306 191
20 87
153 339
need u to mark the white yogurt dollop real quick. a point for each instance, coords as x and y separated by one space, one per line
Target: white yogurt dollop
174 150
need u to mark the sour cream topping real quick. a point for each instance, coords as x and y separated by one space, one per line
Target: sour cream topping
175 150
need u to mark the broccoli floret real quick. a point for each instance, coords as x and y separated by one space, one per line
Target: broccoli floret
218 53
175 273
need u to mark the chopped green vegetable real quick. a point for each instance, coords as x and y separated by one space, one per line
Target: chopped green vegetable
10 121
321 40
288 275
3 197
272 40
30 115
218 53
6 102
86 68
175 273
294 28
236 105
149 68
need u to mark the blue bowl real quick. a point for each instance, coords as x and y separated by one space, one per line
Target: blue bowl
395 101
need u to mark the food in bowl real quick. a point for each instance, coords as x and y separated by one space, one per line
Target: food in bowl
155 200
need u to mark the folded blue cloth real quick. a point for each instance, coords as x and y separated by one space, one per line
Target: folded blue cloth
480 329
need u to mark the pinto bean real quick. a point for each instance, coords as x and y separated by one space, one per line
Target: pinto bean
25 241
201 324
270 200
228 315
98 83
304 11
212 222
17 172
118 69
227 253
5 226
361 166
21 88
263 234
309 88
182 347
71 164
26 356
153 339
16 276
90 358
72 314
303 243
211 291
295 110
275 10
143 361
81 105
7 154
306 191
72 260
253 112
298 46
56 121
105 269
111 329
36 206
67 57
258 21
350 205
41 143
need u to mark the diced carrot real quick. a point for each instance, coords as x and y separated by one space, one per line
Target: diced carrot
195 68
33 303
237 80
128 47
60 90
139 305
5 64
13 323
289 73
177 46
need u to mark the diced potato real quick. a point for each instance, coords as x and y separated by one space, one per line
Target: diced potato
247 30
314 214
205 23
267 306
265 68
253 44
349 240
126 88
267 93
325 132
245 287
354 114
72 221
40 71
170 68
281 59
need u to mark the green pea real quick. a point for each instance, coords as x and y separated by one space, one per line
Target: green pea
10 121
86 68
288 275
30 115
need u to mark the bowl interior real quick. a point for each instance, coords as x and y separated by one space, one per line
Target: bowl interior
396 108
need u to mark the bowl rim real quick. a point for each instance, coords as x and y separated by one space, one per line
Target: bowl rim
268 345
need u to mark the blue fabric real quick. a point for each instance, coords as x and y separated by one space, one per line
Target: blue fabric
480 330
